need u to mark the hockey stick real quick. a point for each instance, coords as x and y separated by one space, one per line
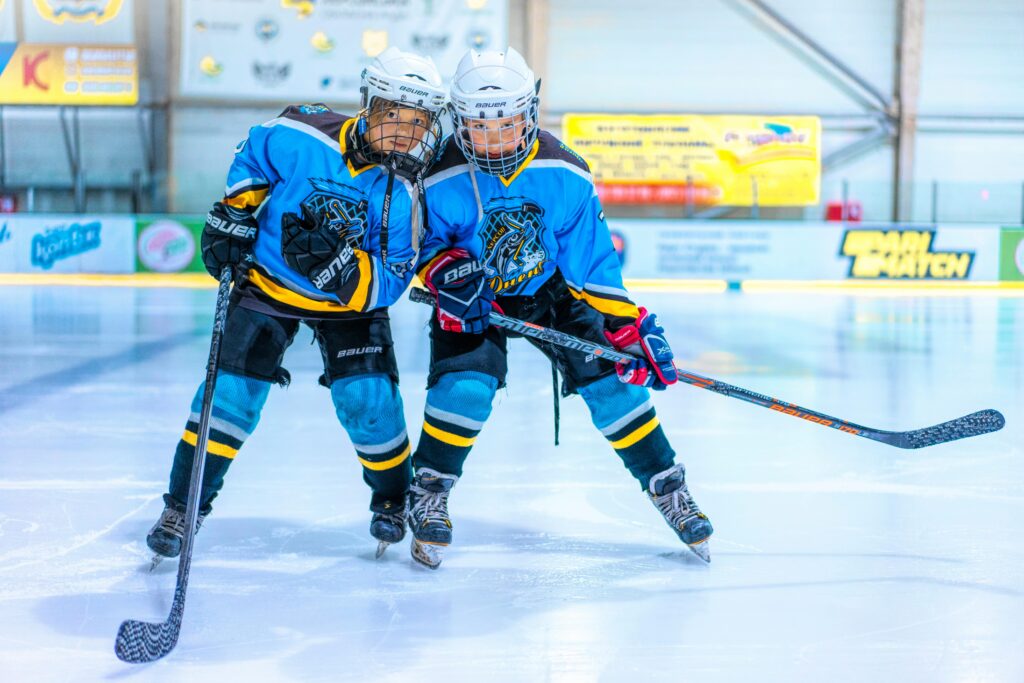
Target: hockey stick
981 422
139 641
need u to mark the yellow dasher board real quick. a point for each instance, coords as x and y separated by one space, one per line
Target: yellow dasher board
68 74
721 160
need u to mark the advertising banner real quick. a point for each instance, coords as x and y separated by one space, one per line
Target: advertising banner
68 74
67 244
1011 254
703 160
169 244
315 50
783 250
78 22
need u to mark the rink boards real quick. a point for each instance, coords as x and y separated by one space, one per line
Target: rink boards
650 249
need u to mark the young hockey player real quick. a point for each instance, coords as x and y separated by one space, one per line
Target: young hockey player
316 219
514 219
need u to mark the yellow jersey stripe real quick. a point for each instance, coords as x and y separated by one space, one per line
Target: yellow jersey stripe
608 306
287 296
358 301
211 446
448 437
244 200
637 434
389 463
526 162
343 144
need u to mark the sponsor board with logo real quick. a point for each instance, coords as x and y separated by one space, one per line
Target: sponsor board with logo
169 244
700 159
68 244
1011 254
783 250
315 50
79 22
68 74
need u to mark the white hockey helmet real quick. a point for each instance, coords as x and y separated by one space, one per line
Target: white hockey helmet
494 105
401 80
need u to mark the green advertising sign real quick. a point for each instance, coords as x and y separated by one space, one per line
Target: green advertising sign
1011 254
168 244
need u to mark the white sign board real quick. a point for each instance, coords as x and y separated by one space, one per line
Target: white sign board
315 50
78 22
67 244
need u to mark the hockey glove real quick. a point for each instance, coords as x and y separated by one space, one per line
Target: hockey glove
227 238
316 250
645 338
458 282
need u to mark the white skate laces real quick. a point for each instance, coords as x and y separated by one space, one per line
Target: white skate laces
668 492
428 515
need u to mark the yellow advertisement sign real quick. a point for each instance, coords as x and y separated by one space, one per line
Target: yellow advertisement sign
906 254
727 160
68 74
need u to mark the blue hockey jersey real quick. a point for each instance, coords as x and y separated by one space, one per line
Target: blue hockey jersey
303 158
546 216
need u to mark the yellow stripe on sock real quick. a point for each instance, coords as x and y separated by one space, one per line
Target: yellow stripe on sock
213 447
448 437
637 434
389 463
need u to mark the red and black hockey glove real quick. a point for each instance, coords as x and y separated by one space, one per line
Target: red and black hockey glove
464 300
227 237
645 338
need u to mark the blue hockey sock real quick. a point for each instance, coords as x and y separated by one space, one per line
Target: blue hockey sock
457 407
625 415
369 407
237 402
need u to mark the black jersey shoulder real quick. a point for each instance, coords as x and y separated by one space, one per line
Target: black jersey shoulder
450 157
553 148
318 116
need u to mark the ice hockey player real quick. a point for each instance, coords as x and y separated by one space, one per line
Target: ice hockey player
514 219
317 221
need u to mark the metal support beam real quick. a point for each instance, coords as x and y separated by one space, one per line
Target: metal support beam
537 20
906 94
73 146
848 80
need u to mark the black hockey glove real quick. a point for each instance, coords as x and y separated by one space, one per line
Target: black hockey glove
315 250
227 237
464 299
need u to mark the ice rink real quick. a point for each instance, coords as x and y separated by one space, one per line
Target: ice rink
834 558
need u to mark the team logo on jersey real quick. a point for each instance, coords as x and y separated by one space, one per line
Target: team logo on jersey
513 247
344 206
60 11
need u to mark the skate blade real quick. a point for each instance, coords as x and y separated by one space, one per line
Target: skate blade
381 547
155 562
701 550
427 554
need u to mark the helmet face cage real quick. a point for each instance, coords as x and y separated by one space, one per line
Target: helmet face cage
399 135
497 146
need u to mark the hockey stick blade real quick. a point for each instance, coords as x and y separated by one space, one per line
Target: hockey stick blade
981 422
139 642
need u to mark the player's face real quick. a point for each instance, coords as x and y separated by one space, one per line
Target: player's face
496 138
394 128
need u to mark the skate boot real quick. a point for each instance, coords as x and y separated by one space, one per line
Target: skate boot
428 515
669 494
164 539
388 523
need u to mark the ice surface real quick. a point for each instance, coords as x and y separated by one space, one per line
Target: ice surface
834 558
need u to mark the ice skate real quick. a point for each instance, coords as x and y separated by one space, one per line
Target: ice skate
387 524
668 492
164 539
428 516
